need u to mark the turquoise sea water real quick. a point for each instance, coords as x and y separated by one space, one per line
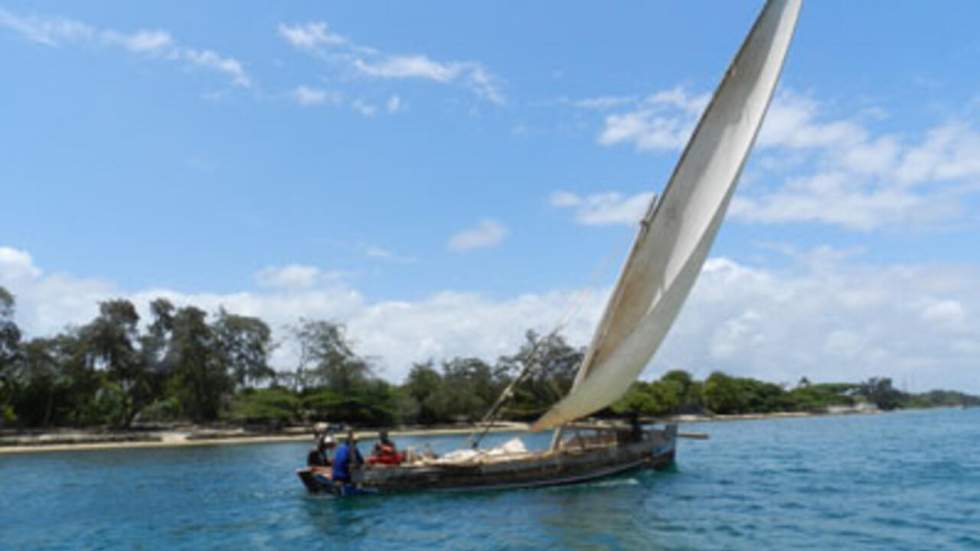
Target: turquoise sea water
908 480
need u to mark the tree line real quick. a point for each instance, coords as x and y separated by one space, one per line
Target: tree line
184 364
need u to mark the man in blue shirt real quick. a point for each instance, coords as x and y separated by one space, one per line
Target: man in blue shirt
346 456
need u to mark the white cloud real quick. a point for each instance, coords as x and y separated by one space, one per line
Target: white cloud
367 61
310 35
945 312
826 316
866 182
793 122
600 209
17 265
141 41
833 198
364 108
50 31
422 67
483 83
813 168
394 104
950 152
378 252
662 121
488 233
602 103
58 31
308 96
381 253
293 276
410 66
679 98
829 317
231 67
646 131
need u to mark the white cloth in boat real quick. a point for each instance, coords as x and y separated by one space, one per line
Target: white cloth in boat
514 446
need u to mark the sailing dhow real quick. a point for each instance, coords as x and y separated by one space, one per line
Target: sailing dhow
670 248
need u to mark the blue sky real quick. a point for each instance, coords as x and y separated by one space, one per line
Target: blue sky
441 176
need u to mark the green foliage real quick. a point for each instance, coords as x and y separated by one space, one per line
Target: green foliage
179 366
721 394
327 358
678 392
941 398
406 408
690 396
245 343
422 386
162 410
371 405
110 405
467 387
200 370
9 353
46 393
653 398
265 405
818 397
880 392
9 332
551 365
724 394
110 341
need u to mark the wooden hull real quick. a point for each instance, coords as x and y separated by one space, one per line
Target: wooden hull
570 465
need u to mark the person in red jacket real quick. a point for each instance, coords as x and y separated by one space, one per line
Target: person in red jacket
385 452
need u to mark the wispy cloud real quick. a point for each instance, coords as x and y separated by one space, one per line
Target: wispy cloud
50 31
142 41
310 36
60 31
394 104
292 276
601 209
364 108
488 233
852 177
381 253
601 103
315 37
210 59
307 96
661 121
809 167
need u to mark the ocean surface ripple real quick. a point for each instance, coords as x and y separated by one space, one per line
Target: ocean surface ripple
907 480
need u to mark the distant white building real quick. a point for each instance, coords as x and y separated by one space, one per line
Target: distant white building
860 407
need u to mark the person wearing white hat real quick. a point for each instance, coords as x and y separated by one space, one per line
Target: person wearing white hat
319 456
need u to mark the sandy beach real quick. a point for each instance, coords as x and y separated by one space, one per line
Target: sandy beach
62 441
83 441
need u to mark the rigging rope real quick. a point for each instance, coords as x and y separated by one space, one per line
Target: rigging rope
532 363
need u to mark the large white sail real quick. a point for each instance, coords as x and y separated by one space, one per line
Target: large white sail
678 230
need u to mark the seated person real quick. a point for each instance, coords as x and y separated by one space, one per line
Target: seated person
347 455
385 452
319 456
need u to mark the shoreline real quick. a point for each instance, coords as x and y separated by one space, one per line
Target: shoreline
88 441
178 439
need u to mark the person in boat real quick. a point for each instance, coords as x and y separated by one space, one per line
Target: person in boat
385 452
636 428
346 457
319 456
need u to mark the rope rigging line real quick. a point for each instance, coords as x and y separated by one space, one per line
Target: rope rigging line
572 311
